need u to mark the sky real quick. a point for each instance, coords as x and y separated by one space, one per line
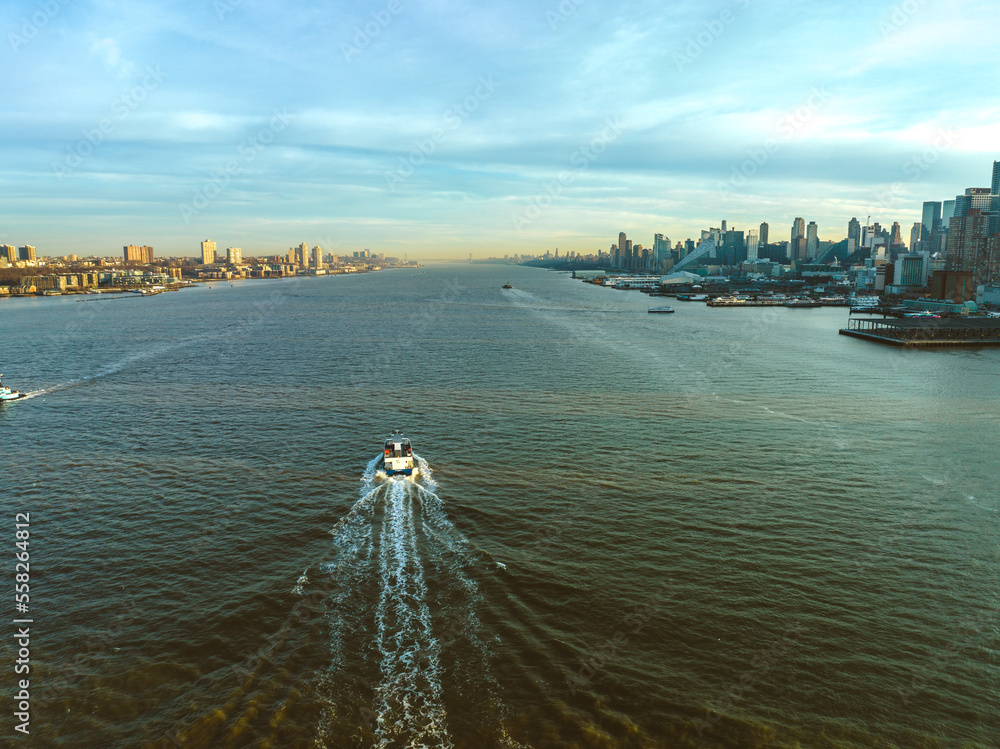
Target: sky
441 129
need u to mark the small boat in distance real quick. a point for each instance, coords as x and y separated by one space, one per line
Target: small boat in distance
661 310
397 456
6 394
507 286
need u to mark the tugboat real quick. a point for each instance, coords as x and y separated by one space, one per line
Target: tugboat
507 286
397 457
6 394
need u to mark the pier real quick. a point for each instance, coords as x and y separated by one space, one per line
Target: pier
926 332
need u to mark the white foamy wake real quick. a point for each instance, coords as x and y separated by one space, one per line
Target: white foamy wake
409 705
402 599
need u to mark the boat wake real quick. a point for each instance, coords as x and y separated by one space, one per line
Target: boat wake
401 593
117 366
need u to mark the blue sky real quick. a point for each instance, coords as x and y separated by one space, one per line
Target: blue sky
438 128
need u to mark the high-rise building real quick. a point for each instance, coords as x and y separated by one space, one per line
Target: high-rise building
995 185
234 255
931 218
317 257
7 252
208 252
763 233
915 236
854 231
966 241
723 226
27 253
812 240
798 229
661 249
947 211
140 255
974 199
753 245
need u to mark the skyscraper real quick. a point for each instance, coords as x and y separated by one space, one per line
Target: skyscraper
812 240
854 232
753 243
763 233
208 252
234 256
915 237
622 254
931 218
947 211
661 249
796 249
26 252
317 257
995 188
974 199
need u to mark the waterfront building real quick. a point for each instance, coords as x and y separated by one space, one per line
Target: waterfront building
141 255
208 252
317 257
26 253
911 269
972 248
234 255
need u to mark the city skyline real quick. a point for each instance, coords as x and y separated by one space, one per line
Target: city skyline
402 127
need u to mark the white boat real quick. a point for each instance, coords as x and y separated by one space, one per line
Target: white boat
397 456
660 310
6 394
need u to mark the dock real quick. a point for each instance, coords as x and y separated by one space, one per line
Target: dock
912 332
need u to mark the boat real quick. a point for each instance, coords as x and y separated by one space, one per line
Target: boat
800 303
397 456
507 286
6 394
660 310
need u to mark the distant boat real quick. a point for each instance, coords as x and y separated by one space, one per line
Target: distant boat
507 286
660 310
